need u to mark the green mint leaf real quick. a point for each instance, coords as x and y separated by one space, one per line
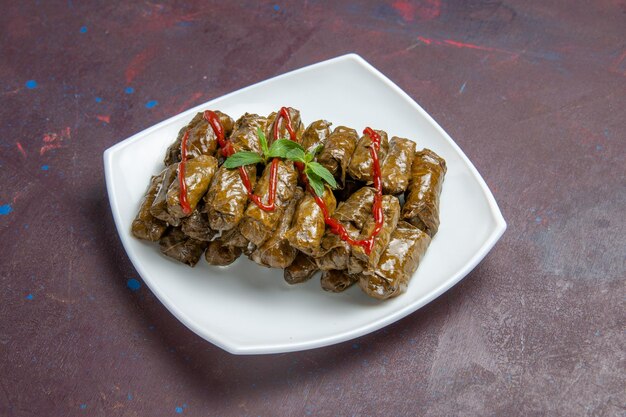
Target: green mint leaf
315 182
263 141
308 157
296 155
281 147
242 158
319 170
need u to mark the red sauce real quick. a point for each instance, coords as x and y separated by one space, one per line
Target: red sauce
184 204
377 208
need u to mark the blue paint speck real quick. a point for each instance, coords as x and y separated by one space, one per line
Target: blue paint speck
276 7
129 90
83 29
184 24
133 284
599 147
5 209
151 104
179 410
129 396
29 297
30 84
98 99
538 219
355 346
83 406
45 167
462 87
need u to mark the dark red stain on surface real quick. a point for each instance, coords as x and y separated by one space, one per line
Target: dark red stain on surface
425 10
189 102
54 140
20 149
618 66
139 63
104 118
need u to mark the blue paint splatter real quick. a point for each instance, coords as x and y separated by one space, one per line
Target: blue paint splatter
5 209
355 346
129 396
151 104
26 226
29 297
83 29
599 147
462 87
179 410
129 90
133 284
276 7
184 24
83 406
538 219
30 84
98 99
45 167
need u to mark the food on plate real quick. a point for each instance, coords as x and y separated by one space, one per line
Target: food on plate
360 167
300 199
227 197
176 244
301 269
307 225
337 151
145 225
397 263
276 252
201 138
421 206
396 170
335 280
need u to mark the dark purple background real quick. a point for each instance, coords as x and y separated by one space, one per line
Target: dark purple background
532 91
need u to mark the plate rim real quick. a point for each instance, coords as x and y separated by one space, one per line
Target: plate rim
275 348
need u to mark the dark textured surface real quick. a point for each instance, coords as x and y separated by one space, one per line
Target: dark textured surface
533 92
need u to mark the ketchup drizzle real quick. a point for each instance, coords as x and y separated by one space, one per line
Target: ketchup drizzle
335 226
184 203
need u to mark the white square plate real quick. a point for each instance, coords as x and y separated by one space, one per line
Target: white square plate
247 309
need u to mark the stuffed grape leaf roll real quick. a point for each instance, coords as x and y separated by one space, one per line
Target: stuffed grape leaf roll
361 260
159 206
245 136
276 252
257 225
283 133
396 168
397 263
360 167
198 174
301 269
421 206
227 197
337 281
219 254
334 253
315 134
307 226
201 140
338 148
145 225
197 225
181 247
